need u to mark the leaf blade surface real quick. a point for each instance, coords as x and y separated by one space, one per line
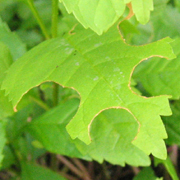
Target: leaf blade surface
100 69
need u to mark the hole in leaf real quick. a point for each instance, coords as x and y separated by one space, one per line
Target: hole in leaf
46 96
147 79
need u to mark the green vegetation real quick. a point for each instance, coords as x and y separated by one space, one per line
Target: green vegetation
89 89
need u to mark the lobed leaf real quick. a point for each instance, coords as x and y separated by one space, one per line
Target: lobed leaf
99 68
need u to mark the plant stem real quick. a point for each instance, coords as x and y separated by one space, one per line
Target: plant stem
54 18
105 171
82 168
16 156
55 86
70 166
136 170
69 177
54 163
54 34
55 94
38 18
174 155
91 169
40 103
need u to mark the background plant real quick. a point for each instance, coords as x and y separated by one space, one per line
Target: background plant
82 85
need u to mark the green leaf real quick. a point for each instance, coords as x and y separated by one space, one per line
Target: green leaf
146 174
159 6
52 124
91 13
2 140
8 159
169 167
34 172
17 48
141 9
112 140
49 129
171 122
166 23
93 16
5 60
99 68
159 76
6 108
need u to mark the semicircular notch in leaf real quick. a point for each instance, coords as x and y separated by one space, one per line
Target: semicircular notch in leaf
113 140
159 76
99 68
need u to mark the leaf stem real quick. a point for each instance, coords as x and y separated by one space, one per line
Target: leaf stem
38 18
55 94
17 157
105 171
40 103
54 163
136 170
70 166
54 18
54 29
82 168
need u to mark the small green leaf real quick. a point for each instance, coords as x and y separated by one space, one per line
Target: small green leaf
141 9
145 174
8 159
34 172
93 14
13 42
